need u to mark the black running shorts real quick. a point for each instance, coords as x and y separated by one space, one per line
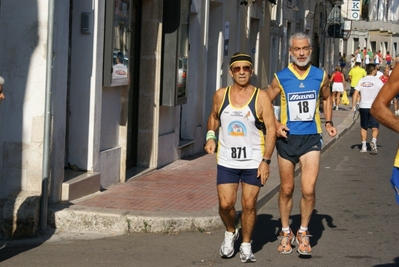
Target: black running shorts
294 146
366 120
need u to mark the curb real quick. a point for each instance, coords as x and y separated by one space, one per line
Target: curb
111 221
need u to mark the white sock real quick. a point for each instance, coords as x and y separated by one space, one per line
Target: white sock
303 229
364 144
374 140
248 245
286 230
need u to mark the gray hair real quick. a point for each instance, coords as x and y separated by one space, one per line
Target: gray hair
300 35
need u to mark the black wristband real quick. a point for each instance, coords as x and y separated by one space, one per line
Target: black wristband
267 161
330 122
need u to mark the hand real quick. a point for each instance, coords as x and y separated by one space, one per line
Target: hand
282 130
331 130
210 146
263 172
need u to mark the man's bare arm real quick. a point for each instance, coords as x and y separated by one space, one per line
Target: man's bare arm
213 120
380 108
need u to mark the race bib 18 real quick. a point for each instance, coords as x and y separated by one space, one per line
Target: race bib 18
301 106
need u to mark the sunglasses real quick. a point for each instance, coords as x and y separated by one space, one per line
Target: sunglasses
244 68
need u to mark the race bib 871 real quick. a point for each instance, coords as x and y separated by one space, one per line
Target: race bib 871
239 153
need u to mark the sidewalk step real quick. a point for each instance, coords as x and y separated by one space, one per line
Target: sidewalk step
80 186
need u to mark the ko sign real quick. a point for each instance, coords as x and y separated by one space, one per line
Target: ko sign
355 9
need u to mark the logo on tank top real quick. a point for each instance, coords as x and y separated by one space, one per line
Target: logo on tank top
367 84
237 128
301 96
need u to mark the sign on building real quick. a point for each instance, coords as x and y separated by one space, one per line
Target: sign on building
355 9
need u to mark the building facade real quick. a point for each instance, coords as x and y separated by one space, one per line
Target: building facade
132 81
131 86
369 24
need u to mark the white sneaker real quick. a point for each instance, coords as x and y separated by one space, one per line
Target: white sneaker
246 254
363 150
374 149
227 248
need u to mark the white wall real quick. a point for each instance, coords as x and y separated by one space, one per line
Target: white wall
84 129
23 66
59 97
80 91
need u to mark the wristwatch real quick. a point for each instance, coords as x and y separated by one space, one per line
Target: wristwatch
330 122
267 161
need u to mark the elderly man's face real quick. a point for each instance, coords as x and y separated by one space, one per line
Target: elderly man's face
300 52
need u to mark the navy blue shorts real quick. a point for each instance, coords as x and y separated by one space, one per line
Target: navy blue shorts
294 146
395 182
233 176
352 91
366 120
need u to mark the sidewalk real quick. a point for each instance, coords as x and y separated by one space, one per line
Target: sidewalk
179 197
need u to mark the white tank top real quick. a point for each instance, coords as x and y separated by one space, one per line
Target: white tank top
241 134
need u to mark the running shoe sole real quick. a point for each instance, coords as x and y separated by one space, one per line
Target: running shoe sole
248 260
374 149
236 236
305 253
291 242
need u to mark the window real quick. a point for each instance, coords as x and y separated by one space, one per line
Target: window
117 42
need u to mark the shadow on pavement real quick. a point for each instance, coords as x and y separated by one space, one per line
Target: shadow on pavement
267 229
395 264
10 247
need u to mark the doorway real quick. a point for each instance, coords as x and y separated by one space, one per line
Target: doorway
133 110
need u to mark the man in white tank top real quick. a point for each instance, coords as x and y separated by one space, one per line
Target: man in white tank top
241 113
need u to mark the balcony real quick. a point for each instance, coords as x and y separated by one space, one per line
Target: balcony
383 26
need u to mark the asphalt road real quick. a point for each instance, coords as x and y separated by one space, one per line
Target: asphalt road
355 223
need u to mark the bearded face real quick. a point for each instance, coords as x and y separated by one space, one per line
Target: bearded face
300 52
300 61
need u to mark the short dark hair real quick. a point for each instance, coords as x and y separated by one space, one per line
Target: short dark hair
370 68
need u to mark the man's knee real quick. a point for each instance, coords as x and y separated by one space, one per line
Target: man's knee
248 204
286 190
309 195
226 203
249 209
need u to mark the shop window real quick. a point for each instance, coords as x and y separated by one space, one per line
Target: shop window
117 42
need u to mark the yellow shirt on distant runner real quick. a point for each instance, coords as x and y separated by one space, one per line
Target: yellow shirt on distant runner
356 73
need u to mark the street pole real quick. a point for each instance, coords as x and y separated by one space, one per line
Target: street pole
47 119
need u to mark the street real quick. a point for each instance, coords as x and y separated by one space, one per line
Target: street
355 223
